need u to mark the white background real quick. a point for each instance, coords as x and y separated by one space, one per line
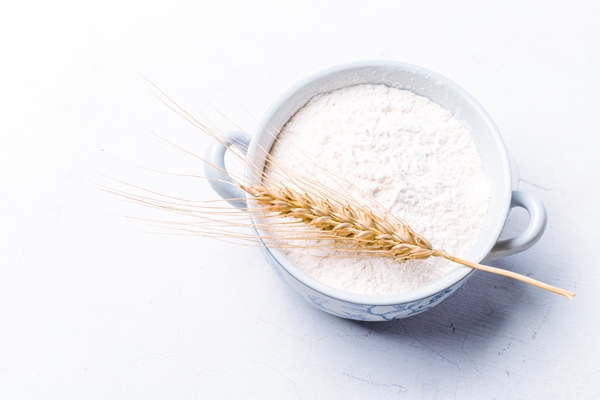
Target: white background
95 306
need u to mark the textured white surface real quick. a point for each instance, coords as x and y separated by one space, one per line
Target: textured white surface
92 306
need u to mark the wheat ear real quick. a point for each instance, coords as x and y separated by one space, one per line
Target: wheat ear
364 228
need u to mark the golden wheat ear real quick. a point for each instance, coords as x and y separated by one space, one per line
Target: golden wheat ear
364 229
335 215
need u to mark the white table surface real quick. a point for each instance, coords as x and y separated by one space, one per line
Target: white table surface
95 306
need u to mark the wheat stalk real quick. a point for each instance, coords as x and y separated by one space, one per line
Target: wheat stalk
334 215
364 228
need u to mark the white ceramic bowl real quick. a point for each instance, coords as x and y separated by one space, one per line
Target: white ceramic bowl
440 90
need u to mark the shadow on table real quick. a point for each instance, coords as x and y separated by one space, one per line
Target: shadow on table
481 309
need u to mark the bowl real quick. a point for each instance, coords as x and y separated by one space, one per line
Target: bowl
440 90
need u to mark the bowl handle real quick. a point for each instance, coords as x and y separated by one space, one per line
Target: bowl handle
537 224
216 171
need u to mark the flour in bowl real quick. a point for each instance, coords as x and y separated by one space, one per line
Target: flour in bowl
407 153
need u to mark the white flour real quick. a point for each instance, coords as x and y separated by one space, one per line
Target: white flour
410 155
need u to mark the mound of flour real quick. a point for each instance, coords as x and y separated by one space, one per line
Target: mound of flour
406 152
